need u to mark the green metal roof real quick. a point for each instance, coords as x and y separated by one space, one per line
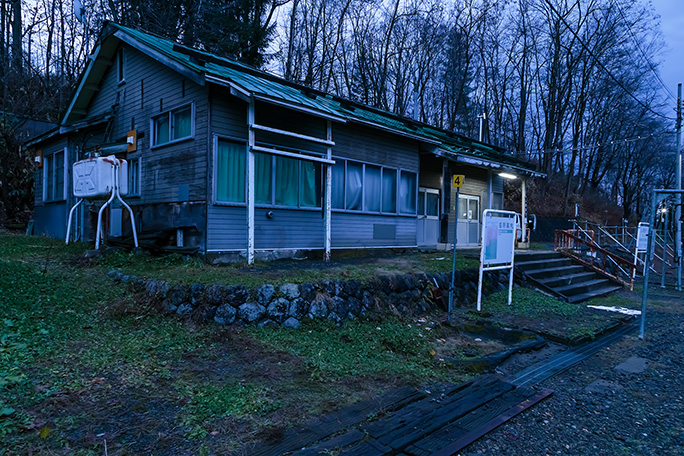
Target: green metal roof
269 87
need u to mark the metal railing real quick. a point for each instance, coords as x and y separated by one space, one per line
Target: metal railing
623 239
590 254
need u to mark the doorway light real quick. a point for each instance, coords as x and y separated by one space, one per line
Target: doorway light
508 176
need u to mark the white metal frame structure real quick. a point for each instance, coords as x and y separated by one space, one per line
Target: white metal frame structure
115 193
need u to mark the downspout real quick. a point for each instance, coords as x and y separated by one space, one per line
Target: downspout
210 171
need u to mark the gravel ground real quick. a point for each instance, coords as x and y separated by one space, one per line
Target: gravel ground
604 407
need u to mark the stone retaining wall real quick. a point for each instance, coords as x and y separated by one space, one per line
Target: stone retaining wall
336 300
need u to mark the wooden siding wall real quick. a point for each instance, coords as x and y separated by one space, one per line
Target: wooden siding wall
476 183
49 218
304 229
358 142
228 114
170 173
430 171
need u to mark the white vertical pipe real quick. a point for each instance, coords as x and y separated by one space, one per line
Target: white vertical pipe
328 197
250 184
523 222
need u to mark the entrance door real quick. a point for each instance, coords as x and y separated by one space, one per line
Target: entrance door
468 220
428 216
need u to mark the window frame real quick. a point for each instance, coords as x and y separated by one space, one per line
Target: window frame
415 193
169 113
300 193
50 175
138 182
383 170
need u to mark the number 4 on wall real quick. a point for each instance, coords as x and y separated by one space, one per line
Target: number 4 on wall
458 180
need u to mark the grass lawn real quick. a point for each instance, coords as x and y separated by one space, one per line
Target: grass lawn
176 268
84 361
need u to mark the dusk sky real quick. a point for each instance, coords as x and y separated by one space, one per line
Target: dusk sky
672 26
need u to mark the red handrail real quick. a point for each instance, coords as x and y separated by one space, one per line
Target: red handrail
572 245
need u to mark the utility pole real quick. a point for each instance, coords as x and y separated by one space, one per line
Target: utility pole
678 205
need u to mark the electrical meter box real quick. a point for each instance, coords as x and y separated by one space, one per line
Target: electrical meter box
94 177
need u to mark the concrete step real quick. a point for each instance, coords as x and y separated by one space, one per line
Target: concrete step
582 287
537 255
527 265
568 279
594 294
538 274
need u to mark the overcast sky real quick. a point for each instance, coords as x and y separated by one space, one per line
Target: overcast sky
672 25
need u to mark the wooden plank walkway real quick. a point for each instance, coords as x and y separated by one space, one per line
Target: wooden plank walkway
409 422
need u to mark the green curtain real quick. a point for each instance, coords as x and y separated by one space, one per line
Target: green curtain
263 176
311 184
287 181
230 172
182 123
161 129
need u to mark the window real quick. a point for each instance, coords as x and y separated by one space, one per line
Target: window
263 178
372 188
53 177
134 176
372 184
407 193
171 126
310 192
354 189
286 179
230 171
296 182
389 190
338 184
121 65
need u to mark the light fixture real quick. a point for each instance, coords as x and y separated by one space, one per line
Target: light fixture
508 176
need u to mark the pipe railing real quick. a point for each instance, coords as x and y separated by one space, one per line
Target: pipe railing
597 258
623 239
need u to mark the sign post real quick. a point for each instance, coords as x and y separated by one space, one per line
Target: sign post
498 247
457 181
641 245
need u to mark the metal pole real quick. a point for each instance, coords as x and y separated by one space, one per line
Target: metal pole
647 261
453 261
665 225
678 198
523 222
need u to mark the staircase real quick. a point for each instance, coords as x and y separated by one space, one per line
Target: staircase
561 276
